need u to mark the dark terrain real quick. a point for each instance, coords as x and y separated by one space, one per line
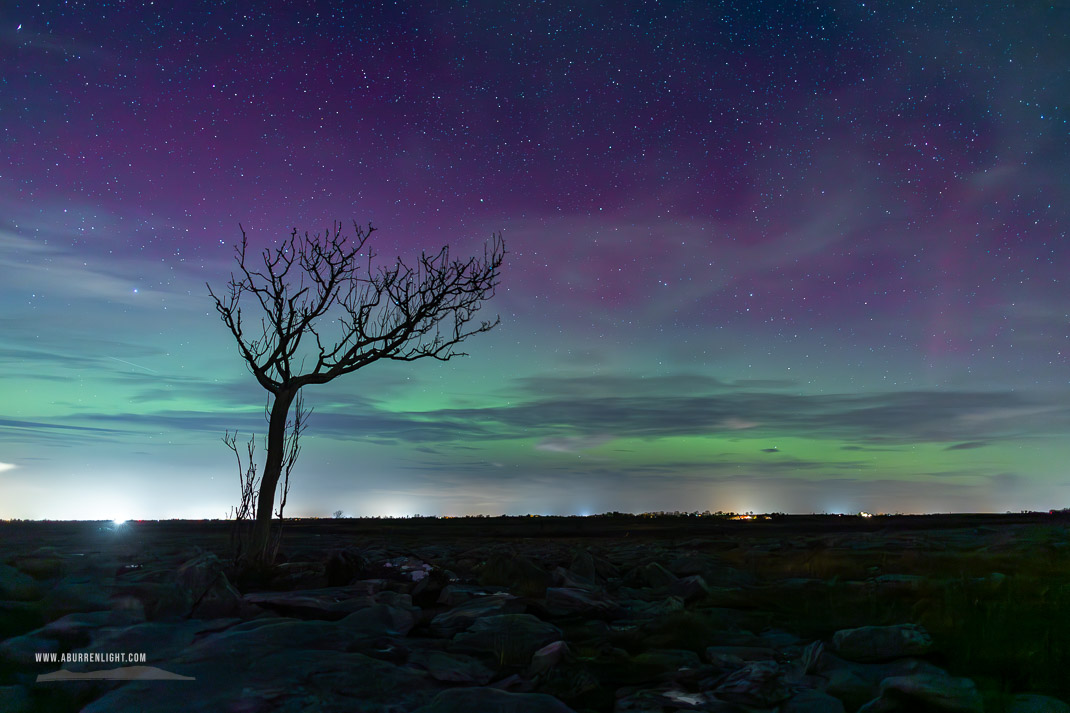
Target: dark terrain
611 613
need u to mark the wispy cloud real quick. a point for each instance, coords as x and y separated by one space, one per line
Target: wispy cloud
962 420
968 445
571 444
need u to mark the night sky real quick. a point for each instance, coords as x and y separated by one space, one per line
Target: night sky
763 256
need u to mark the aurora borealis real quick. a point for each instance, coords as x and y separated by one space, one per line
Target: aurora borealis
768 256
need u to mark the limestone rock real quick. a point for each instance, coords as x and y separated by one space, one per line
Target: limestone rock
452 667
492 700
1034 703
462 616
518 573
207 588
881 643
811 701
943 693
16 585
15 699
758 683
507 639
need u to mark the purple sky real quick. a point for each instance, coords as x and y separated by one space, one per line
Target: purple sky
770 256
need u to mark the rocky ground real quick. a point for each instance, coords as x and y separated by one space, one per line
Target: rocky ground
627 614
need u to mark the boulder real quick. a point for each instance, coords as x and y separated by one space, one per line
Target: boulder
161 642
288 576
492 700
690 588
811 701
855 683
659 662
661 699
282 678
885 705
15 699
380 620
507 639
650 575
881 643
691 563
18 651
658 608
899 582
75 594
1034 703
592 567
17 586
343 566
941 693
157 600
758 683
430 588
463 615
205 585
562 577
76 629
330 603
19 617
46 563
454 594
261 636
452 667
519 573
743 653
570 600
548 657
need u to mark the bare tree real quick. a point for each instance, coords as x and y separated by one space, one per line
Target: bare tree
394 312
245 512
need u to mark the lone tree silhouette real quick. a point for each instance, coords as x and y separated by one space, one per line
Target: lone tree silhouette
393 312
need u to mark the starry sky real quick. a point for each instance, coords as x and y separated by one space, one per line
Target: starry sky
763 256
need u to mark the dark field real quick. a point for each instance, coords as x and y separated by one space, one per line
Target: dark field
657 614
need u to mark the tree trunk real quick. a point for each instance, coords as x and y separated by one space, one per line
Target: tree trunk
258 548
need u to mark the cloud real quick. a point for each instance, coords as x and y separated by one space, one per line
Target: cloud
7 466
737 424
40 268
14 423
609 386
967 445
561 416
37 357
571 444
879 418
764 383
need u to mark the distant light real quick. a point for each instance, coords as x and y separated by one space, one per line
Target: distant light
865 514
118 523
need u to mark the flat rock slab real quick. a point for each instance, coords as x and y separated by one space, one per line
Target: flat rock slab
462 616
491 700
17 586
1034 703
452 667
881 643
330 603
332 682
509 639
812 702
943 693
